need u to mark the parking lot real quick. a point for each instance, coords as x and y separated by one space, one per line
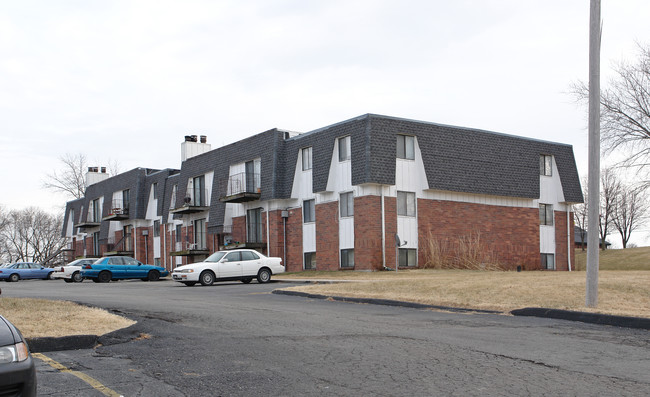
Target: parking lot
237 339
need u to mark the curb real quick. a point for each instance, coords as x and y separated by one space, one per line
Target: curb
385 302
584 317
591 318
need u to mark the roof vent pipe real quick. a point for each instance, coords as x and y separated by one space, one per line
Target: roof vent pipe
204 139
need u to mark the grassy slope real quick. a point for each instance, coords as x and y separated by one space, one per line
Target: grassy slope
619 259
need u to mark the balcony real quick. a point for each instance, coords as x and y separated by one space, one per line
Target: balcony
119 211
82 226
123 247
189 249
240 188
190 206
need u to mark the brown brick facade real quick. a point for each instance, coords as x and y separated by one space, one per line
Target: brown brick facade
561 242
510 235
294 241
367 233
327 236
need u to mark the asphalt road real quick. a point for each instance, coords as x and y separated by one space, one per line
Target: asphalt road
236 339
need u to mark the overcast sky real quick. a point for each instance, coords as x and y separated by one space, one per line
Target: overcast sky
124 81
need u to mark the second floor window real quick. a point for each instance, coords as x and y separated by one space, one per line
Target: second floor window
344 148
405 147
347 204
96 214
546 214
126 197
156 228
308 211
405 203
306 158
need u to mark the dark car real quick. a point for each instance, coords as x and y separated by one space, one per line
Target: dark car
17 370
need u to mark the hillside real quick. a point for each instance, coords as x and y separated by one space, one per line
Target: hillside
618 259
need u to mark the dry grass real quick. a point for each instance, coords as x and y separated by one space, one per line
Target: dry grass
40 317
621 293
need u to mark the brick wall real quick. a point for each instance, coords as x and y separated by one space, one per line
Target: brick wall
367 233
327 236
239 229
509 234
294 241
561 241
390 220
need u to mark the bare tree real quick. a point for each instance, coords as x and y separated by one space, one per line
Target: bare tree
629 212
580 215
71 179
609 192
31 235
625 110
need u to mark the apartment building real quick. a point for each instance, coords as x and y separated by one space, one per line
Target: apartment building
339 197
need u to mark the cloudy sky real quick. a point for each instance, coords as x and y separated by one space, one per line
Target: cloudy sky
124 81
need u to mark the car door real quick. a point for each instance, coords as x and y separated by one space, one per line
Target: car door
230 265
23 270
38 271
117 268
135 268
251 263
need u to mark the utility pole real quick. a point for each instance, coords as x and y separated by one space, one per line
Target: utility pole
593 201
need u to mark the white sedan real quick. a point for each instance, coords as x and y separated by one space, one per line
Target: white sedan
242 264
71 272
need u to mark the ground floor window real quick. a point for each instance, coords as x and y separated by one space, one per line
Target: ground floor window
347 258
310 261
96 251
156 261
254 225
408 257
548 261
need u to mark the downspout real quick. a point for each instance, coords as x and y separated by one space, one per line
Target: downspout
284 240
568 234
164 247
383 229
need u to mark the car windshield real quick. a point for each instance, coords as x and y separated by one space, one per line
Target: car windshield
77 262
216 257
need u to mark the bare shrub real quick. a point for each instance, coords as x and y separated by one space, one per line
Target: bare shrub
467 252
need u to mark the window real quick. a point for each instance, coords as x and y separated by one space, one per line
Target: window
408 257
156 261
155 191
254 225
156 228
199 190
548 261
96 214
233 257
545 165
347 258
346 202
405 147
126 197
249 256
308 211
344 148
178 233
306 159
310 261
405 203
546 214
199 233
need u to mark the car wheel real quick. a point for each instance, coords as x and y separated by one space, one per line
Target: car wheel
67 280
95 280
246 280
189 283
14 277
207 278
49 276
104 276
154 275
77 277
264 276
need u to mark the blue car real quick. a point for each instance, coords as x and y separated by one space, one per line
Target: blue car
121 268
25 270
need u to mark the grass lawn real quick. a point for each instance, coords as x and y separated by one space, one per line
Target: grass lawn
40 317
620 292
617 259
